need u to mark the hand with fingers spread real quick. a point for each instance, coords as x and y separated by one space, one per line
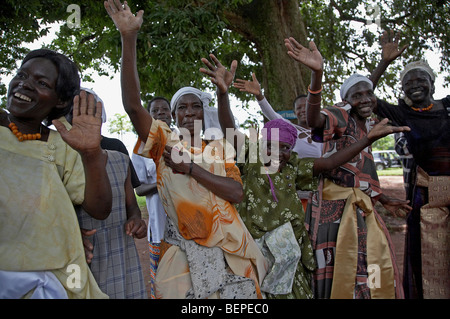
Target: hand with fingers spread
252 87
389 46
383 129
84 136
122 16
219 75
309 57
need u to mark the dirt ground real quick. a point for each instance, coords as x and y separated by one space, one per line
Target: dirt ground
392 185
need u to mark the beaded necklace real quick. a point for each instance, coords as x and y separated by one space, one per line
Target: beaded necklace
418 109
23 137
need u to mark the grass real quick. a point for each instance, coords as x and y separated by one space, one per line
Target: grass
395 171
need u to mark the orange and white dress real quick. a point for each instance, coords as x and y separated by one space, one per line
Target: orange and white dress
200 222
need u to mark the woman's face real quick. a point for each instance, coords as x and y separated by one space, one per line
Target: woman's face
300 110
362 99
32 92
160 110
417 86
278 151
189 109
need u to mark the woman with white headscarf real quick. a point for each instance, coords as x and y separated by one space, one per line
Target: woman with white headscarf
348 235
426 272
208 250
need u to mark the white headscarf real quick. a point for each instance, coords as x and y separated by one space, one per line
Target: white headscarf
351 81
210 117
97 99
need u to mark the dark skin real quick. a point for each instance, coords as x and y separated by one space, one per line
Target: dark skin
417 84
221 78
253 87
129 25
363 102
31 97
159 110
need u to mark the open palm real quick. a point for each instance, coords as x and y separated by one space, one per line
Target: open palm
122 16
310 57
85 134
219 75
252 87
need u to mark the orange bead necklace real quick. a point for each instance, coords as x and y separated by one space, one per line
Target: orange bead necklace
418 109
23 137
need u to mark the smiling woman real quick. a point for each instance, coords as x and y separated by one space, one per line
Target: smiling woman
43 176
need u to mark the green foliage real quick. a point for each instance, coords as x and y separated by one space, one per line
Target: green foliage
384 144
177 33
120 124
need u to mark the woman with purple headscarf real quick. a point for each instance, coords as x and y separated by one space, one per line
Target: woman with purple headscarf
271 176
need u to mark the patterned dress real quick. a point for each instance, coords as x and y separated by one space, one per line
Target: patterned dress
203 227
264 213
324 219
115 265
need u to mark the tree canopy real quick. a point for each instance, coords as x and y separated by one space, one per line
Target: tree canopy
176 34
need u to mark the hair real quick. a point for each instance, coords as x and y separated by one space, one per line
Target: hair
67 83
156 98
298 97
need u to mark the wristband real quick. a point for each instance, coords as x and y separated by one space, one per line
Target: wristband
315 92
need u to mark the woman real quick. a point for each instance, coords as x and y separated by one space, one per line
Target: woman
159 109
426 271
114 259
348 235
44 173
271 208
211 253
304 145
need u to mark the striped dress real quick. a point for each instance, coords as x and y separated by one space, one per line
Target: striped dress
115 265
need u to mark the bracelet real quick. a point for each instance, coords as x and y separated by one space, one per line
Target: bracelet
308 102
190 167
315 92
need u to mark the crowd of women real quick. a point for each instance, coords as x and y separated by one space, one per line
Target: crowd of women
294 219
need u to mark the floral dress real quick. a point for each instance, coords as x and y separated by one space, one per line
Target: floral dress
271 218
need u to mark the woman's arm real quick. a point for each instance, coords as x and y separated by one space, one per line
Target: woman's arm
223 78
84 137
135 225
389 52
345 155
253 87
224 187
129 26
312 59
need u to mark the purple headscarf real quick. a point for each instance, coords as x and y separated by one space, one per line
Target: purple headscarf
287 133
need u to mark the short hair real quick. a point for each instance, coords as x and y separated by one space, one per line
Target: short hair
156 98
67 83
298 97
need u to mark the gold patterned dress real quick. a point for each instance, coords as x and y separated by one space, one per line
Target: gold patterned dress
203 225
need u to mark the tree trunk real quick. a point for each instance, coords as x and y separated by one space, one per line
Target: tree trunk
267 23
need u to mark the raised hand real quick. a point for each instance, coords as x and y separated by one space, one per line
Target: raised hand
252 87
389 46
383 129
310 57
219 75
122 16
84 136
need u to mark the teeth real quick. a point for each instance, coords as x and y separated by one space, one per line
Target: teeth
22 97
